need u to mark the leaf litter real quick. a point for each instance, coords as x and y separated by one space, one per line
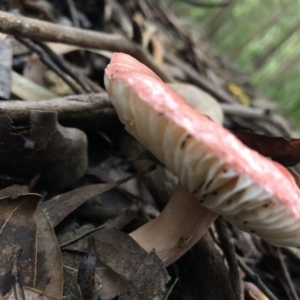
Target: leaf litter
144 271
68 238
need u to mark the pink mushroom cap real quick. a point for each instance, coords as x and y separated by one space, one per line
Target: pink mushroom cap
246 188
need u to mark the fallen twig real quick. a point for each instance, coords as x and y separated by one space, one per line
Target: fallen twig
46 31
255 279
258 113
291 288
67 69
88 110
220 94
229 253
49 63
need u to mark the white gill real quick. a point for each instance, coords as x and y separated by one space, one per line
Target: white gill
215 183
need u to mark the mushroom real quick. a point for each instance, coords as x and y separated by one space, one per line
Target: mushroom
200 100
217 173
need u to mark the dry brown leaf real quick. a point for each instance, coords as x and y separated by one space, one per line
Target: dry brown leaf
119 222
29 294
18 48
34 70
14 191
18 231
158 50
286 152
86 277
119 252
148 282
107 173
49 270
252 292
58 86
27 229
122 256
68 237
72 289
68 202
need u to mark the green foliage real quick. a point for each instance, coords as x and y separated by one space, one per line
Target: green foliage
245 20
287 93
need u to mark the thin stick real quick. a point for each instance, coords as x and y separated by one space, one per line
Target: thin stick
256 279
246 112
46 31
291 291
171 289
73 13
204 83
49 63
80 110
257 113
61 63
229 253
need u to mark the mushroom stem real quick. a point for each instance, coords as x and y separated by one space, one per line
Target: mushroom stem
180 225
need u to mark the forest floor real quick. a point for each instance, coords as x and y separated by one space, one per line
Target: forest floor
74 183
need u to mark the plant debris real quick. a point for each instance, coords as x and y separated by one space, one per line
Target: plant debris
74 184
286 152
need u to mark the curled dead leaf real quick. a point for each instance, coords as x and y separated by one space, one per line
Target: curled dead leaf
286 152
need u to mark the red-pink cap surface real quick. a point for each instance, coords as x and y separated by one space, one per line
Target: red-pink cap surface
246 188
